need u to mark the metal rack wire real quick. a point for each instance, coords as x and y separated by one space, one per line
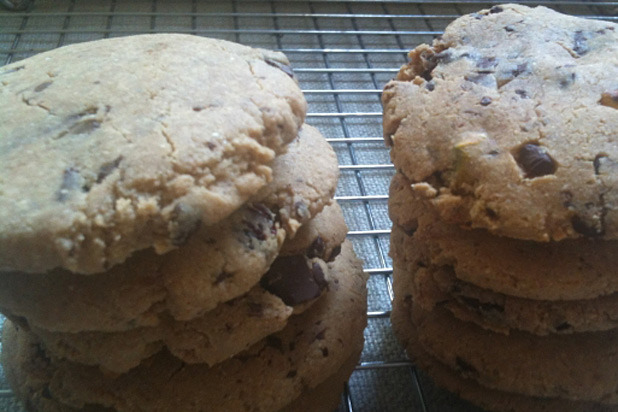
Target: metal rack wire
343 53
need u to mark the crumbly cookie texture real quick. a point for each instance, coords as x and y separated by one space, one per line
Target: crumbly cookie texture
217 263
311 348
117 145
455 380
572 269
508 122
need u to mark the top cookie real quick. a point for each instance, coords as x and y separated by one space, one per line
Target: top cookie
117 145
508 122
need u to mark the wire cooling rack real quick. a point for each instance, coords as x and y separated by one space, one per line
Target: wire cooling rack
343 53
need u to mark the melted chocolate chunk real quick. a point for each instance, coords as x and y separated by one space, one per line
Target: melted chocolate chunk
107 168
496 9
584 228
283 67
535 161
486 101
294 279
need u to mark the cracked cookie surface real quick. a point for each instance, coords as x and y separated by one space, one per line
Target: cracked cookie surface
507 123
118 145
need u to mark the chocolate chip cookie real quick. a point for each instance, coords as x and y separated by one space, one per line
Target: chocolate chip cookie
581 366
270 375
455 380
118 145
217 263
508 123
438 286
292 282
573 269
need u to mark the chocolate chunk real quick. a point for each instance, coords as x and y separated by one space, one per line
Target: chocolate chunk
484 79
496 9
335 252
522 93
316 249
486 101
610 99
486 63
535 161
42 86
275 342
283 67
222 277
184 222
107 168
580 43
255 309
258 223
520 69
567 80
294 279
584 228
563 326
325 352
598 162
71 180
509 28
465 368
430 85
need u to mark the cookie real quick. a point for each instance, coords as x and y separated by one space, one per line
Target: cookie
484 123
130 142
321 237
581 366
304 179
575 269
438 286
292 282
216 264
268 376
469 389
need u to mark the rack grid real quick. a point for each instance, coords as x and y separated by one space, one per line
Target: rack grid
343 53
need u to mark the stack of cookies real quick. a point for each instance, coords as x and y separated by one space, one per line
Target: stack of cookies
168 235
504 134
